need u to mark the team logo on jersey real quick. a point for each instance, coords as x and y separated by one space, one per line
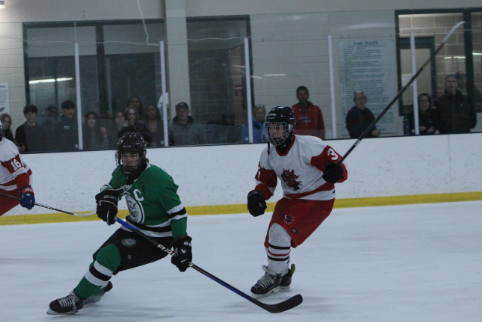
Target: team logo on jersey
289 177
128 242
288 219
136 211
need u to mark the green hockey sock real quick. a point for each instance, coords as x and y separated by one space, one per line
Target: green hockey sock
107 261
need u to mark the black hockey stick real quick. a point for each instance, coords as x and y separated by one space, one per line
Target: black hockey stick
51 208
364 134
272 308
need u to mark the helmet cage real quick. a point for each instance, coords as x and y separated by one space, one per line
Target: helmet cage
285 128
132 142
280 119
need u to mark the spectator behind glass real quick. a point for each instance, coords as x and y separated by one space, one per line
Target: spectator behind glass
93 134
114 127
152 119
426 116
31 136
453 113
360 117
461 85
49 117
258 119
136 102
183 129
6 126
66 131
308 117
133 125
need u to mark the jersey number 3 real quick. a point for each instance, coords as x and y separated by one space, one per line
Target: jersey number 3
332 155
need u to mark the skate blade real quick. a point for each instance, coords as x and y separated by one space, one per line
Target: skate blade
284 288
259 296
50 312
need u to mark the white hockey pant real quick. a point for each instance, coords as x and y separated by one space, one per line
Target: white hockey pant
278 251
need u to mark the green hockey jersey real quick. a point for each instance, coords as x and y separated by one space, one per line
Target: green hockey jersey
154 205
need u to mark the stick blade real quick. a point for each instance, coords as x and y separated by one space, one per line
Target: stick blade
285 305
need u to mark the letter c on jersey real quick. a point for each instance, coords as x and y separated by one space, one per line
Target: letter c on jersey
138 195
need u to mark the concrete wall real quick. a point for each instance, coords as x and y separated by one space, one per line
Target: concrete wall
223 175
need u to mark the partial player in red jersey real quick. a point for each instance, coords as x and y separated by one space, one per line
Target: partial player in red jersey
15 177
307 169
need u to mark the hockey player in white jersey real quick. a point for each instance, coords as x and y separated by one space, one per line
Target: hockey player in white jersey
15 177
307 169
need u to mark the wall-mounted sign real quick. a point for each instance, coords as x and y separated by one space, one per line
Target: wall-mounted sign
4 99
370 66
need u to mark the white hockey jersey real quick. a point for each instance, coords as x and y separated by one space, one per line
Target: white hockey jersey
299 169
14 173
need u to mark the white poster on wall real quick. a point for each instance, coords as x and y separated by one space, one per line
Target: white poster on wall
4 99
370 66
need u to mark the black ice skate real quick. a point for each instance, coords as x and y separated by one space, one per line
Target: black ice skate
96 298
268 284
70 304
287 278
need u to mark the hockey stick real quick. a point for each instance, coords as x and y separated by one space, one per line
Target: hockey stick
51 208
364 134
272 308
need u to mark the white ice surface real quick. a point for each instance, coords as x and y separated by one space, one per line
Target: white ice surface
399 263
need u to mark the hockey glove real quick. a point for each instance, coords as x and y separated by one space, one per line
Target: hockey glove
256 203
333 172
27 198
182 250
107 205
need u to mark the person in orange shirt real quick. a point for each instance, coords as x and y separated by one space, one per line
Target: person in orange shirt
308 116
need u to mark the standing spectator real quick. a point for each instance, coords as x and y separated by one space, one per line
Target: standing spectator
462 87
94 135
453 111
134 125
183 129
258 119
49 119
360 117
426 116
66 131
115 126
136 102
308 116
15 177
7 123
30 136
152 119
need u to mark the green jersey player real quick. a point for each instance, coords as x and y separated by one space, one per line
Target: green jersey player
154 208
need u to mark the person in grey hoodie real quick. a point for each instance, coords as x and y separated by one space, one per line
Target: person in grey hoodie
183 129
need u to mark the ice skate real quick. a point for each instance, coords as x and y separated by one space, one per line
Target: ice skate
70 304
97 297
268 284
287 278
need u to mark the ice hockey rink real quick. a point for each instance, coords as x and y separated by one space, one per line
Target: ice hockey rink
393 263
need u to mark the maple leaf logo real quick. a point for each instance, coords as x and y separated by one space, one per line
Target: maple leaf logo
289 177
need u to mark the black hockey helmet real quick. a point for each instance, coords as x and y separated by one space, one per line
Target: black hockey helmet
279 117
132 142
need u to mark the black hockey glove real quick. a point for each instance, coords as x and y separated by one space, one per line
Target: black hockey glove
256 203
107 205
182 249
333 172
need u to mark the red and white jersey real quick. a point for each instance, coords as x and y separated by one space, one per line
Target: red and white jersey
299 169
14 174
